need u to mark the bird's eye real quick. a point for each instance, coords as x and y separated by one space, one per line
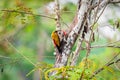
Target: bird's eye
59 32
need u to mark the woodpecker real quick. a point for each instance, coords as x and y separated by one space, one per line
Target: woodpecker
58 38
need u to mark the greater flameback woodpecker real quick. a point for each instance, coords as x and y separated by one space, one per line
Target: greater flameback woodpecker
58 38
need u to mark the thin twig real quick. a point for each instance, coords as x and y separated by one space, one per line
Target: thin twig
98 17
108 2
20 53
114 1
101 69
106 45
86 59
68 12
76 53
106 65
96 12
101 46
113 42
64 22
17 11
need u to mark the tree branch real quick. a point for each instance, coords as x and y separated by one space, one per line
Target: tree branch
101 69
77 29
106 65
114 1
76 53
17 11
74 33
101 46
103 2
106 45
57 10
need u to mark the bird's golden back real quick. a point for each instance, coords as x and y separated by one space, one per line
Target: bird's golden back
55 38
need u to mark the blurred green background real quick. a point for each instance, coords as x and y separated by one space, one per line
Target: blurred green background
25 40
